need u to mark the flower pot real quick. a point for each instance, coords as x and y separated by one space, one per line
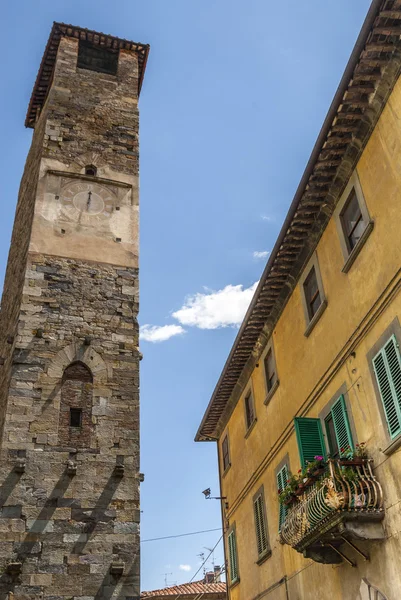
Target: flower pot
318 472
289 500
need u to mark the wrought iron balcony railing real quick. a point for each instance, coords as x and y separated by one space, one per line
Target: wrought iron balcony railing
344 503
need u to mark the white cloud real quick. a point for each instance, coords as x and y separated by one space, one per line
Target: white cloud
159 333
262 254
185 567
214 309
267 218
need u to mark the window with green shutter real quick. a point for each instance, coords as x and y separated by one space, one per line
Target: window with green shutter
387 367
262 540
338 430
282 477
232 556
309 438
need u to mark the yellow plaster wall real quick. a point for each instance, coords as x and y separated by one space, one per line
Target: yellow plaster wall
307 363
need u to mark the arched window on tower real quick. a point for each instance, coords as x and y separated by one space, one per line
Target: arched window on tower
75 422
91 170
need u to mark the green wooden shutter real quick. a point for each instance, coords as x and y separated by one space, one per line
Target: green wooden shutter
232 553
260 524
309 438
341 423
387 366
282 477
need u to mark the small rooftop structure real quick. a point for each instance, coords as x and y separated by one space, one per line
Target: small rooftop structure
46 69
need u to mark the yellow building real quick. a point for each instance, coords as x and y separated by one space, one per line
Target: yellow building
315 370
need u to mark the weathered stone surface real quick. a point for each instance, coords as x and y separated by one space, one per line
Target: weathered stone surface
69 338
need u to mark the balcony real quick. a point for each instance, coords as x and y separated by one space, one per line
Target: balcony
344 504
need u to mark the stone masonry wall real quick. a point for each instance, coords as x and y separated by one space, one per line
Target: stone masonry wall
15 273
66 530
93 112
69 501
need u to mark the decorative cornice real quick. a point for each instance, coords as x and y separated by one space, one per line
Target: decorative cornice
46 69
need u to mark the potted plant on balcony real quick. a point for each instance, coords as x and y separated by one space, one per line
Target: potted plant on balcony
288 495
351 457
316 467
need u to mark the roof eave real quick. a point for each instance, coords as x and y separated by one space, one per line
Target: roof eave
327 124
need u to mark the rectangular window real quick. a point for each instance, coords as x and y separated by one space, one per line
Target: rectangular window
225 453
249 410
352 220
75 417
282 477
312 293
387 367
270 370
232 557
310 439
262 539
338 430
96 58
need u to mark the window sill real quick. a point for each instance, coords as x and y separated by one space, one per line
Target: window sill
226 470
264 557
356 250
315 318
234 583
250 428
271 392
393 446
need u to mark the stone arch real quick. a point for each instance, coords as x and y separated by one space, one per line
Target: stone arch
88 158
77 352
76 403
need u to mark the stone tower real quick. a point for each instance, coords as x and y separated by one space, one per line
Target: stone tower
69 358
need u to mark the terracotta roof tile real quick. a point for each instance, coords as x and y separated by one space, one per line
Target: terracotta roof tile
194 588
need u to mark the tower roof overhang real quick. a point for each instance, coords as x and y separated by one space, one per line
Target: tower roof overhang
46 69
369 77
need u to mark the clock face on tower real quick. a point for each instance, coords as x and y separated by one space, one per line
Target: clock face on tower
86 202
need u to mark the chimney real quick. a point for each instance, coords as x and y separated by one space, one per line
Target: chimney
209 577
217 573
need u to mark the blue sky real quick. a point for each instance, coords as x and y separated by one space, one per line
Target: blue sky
234 96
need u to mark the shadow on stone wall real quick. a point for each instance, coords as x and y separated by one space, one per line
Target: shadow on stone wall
98 514
31 545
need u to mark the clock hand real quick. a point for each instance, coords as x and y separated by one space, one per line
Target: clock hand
89 200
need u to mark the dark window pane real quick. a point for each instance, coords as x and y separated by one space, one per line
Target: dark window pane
270 370
226 457
312 295
352 219
75 417
250 417
90 170
96 58
331 437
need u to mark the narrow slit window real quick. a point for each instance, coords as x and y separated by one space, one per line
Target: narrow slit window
75 417
312 293
352 221
226 453
270 370
249 410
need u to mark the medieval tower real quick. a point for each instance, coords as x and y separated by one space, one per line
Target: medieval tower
69 357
